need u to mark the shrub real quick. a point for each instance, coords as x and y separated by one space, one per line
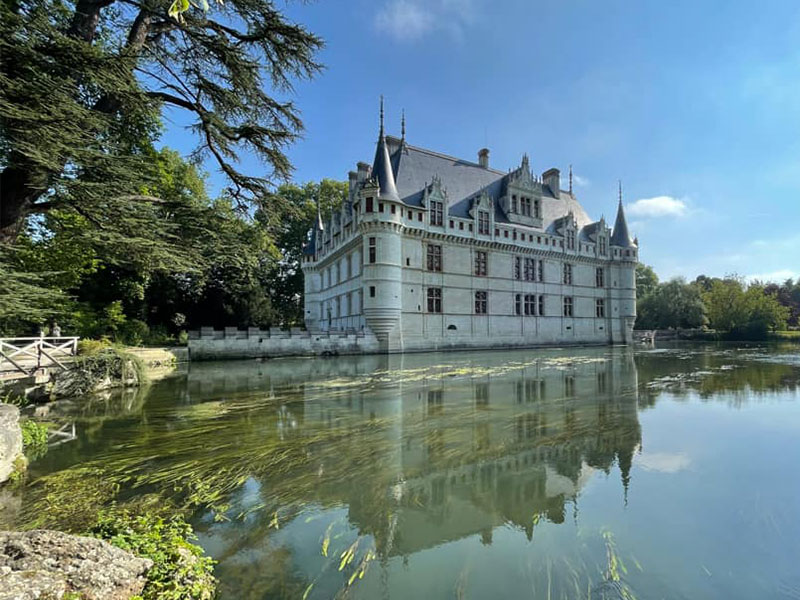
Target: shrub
133 332
89 347
34 439
180 569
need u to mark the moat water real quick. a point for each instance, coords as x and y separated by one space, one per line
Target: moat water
594 473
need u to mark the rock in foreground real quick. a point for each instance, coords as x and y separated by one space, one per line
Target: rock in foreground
10 440
46 564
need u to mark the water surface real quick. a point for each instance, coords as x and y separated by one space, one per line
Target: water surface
594 473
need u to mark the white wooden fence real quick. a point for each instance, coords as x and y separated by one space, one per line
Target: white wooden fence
28 354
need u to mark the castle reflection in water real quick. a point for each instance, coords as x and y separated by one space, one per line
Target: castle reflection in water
449 445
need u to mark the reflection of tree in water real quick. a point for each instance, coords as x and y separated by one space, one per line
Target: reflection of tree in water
740 374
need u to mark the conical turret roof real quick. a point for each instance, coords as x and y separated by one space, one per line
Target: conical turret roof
621 237
382 167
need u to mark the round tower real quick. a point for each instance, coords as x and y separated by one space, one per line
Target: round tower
382 246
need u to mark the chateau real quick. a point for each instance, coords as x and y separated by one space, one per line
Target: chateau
431 252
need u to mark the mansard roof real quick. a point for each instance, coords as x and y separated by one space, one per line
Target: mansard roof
414 168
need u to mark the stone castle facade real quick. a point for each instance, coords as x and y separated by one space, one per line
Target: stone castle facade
432 252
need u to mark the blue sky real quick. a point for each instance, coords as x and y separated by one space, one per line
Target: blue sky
695 106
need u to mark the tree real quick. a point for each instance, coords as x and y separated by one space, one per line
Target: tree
671 305
286 278
742 311
646 280
83 85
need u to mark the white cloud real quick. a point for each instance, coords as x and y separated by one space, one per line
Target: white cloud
580 181
663 462
409 20
660 206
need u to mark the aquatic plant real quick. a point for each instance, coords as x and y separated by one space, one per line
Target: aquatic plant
180 570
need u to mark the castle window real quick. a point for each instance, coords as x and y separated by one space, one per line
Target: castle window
373 250
349 304
525 204
338 306
380 206
496 232
461 226
570 239
483 222
434 258
600 308
471 228
451 223
434 300
530 269
394 209
372 291
368 206
567 306
513 203
599 277
515 234
530 305
540 274
480 263
537 209
541 306
505 232
517 267
602 243
481 303
567 274
518 304
437 213
538 239
419 217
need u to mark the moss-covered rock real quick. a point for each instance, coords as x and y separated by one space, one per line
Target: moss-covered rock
99 371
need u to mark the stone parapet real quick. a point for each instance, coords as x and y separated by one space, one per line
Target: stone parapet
210 344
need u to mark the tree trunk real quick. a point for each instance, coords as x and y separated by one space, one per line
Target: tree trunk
20 187
21 184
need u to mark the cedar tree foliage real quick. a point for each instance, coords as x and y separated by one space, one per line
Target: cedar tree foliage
83 84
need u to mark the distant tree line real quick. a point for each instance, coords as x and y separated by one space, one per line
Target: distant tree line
729 305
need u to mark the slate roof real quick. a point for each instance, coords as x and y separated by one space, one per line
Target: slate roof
415 167
621 237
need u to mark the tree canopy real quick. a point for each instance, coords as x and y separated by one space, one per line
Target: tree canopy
83 85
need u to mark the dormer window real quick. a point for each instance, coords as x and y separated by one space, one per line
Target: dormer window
601 241
437 213
525 204
483 222
369 204
537 209
514 203
570 239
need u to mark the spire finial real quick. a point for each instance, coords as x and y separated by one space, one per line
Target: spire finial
619 182
403 126
570 179
381 115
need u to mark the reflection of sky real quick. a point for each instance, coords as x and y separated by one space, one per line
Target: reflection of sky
662 461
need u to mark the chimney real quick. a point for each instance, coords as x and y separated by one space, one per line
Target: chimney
552 179
363 171
483 157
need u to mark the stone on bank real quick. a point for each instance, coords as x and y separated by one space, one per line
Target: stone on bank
43 564
11 456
